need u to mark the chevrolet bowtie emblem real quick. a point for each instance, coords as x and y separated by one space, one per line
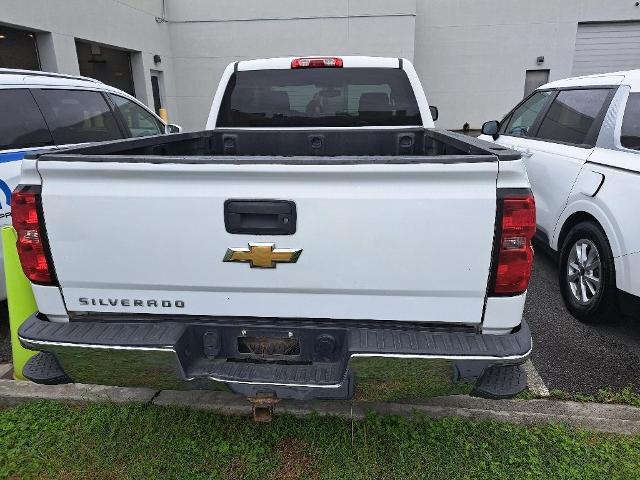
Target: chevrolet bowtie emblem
262 255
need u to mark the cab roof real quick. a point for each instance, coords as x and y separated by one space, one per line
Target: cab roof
626 77
349 61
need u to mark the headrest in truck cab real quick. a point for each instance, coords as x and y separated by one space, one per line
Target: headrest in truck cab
374 102
275 102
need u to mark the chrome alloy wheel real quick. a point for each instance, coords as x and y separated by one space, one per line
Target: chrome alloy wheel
584 271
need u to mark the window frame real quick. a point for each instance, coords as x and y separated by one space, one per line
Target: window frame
38 95
122 124
593 131
592 135
535 125
44 120
618 131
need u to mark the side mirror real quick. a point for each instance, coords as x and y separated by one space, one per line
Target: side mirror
434 113
172 128
491 128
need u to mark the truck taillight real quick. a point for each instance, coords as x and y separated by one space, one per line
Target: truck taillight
316 62
32 243
514 254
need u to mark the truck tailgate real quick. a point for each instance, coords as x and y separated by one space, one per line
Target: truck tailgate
394 241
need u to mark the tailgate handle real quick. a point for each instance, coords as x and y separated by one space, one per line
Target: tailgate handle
260 217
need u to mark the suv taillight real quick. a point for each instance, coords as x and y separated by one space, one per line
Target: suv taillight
316 62
514 254
32 243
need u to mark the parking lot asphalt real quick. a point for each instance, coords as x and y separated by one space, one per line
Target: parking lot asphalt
5 345
571 356
568 355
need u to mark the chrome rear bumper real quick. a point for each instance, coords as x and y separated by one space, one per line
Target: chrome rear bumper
194 353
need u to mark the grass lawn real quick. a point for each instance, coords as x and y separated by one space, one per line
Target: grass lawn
396 380
106 441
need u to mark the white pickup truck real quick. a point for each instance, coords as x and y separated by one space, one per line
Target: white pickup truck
320 218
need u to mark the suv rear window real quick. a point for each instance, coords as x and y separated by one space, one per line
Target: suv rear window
630 134
77 116
319 97
21 123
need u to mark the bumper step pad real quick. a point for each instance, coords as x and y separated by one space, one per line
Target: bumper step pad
44 368
500 381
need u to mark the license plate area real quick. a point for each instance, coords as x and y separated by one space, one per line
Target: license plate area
264 347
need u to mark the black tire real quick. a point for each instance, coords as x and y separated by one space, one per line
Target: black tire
601 306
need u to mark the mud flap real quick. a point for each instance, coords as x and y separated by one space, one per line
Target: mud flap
44 368
500 381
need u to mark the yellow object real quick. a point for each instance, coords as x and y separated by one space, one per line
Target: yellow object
262 255
19 298
162 113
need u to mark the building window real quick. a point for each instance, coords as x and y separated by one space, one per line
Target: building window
18 49
109 65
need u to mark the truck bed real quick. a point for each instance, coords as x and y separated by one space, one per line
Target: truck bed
410 145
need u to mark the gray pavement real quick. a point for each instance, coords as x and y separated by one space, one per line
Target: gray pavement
571 356
5 344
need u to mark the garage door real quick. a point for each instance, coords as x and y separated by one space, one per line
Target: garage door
606 47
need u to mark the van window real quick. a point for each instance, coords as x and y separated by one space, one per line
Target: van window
630 134
21 123
319 97
77 116
572 115
138 120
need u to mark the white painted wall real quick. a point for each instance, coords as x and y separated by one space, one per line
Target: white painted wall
472 57
205 39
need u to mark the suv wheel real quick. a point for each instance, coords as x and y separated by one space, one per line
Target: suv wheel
587 275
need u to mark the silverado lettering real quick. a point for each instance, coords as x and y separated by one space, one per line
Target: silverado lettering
127 302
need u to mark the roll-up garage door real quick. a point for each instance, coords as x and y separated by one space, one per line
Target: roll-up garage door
606 47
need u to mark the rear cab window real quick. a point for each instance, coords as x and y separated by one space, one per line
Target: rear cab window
21 122
77 116
630 132
319 97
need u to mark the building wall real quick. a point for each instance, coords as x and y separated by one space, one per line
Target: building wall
471 56
205 39
472 59
127 24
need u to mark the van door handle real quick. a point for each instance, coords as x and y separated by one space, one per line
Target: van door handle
524 151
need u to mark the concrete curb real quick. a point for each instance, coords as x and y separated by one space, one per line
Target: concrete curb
621 419
14 392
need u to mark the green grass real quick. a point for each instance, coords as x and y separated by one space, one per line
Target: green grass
396 380
626 396
106 441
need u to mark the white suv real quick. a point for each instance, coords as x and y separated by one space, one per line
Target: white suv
580 140
40 110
